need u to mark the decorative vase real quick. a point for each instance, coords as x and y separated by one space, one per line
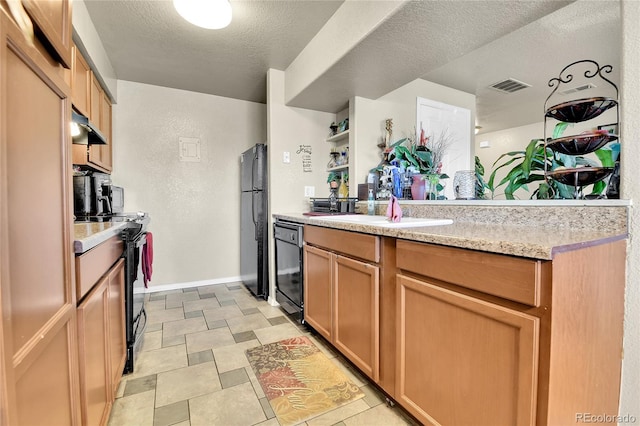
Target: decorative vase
418 187
433 181
464 184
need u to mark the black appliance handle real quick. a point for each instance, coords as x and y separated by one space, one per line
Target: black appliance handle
253 215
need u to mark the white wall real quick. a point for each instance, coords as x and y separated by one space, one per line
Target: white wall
517 139
288 128
400 105
194 207
630 186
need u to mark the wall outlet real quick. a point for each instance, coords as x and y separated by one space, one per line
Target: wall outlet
286 157
309 191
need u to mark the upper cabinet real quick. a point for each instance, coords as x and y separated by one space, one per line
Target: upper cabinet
80 83
92 101
95 101
53 18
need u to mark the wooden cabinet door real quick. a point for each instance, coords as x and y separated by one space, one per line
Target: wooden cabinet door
356 313
81 83
117 337
463 361
93 332
95 98
100 116
53 17
105 126
36 273
318 271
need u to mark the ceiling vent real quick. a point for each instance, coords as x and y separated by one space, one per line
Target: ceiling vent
578 89
509 85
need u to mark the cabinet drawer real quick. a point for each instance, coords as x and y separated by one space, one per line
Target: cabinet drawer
93 264
363 246
511 278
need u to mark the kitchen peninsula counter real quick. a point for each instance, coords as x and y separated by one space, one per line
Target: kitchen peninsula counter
504 296
531 241
89 234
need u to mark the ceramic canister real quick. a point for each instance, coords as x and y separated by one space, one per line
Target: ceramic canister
464 184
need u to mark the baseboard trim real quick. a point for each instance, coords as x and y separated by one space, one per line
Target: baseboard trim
179 286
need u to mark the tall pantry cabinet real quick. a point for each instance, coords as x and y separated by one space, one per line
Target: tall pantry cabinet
38 337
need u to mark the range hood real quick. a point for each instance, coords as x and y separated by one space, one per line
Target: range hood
84 132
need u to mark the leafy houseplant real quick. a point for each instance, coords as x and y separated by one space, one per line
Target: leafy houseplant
529 165
481 185
421 160
333 179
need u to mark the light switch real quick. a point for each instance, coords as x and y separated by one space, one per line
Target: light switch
485 144
286 157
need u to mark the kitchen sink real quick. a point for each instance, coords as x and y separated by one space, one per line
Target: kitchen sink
383 222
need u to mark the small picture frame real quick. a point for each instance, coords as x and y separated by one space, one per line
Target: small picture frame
611 128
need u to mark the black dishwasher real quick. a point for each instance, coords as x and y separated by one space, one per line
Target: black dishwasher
289 268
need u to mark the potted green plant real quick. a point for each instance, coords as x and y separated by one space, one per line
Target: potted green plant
481 185
529 165
425 161
333 179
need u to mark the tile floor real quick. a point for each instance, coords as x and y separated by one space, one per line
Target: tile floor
192 369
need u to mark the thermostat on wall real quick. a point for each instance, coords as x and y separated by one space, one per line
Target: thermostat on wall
190 149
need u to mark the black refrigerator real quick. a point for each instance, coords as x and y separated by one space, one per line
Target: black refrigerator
254 262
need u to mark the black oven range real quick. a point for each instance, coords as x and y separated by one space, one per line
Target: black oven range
134 238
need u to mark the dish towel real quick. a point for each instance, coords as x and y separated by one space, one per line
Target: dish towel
147 259
394 212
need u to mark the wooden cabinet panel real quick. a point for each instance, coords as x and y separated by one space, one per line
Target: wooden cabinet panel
81 83
100 155
95 97
38 302
587 321
463 360
95 388
342 297
354 244
105 126
44 388
317 289
53 17
509 277
356 313
90 266
117 337
99 111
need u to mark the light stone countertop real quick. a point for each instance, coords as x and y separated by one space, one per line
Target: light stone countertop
516 240
90 234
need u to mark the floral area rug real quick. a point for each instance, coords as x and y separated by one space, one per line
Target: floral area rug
299 381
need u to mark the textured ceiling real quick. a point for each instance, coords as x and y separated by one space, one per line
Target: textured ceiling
148 42
462 44
534 54
421 36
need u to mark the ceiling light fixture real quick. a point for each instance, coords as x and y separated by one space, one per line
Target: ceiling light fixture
478 129
210 14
